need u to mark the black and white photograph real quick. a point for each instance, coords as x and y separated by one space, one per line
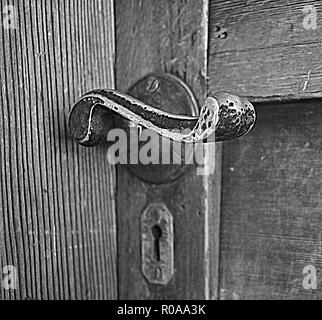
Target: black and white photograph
165 151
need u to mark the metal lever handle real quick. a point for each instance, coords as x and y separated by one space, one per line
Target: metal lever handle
224 117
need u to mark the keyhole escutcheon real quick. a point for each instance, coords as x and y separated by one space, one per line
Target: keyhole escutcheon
157 244
157 234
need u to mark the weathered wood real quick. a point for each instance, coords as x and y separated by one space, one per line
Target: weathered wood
57 199
263 50
271 206
167 36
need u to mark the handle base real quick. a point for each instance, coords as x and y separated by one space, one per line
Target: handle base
168 93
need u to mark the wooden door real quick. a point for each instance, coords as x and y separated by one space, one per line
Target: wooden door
57 208
58 200
167 36
70 222
270 235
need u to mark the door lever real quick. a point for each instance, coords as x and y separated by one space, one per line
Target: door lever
223 117
165 105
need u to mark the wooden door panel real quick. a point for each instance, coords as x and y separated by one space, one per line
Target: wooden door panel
57 200
167 36
266 50
270 217
271 206
57 210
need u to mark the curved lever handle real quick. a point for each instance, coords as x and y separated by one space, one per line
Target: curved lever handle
224 117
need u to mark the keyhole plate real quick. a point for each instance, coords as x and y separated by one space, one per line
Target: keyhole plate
157 244
157 233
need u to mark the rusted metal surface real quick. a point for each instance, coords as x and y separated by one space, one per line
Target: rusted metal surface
161 103
223 117
157 244
167 93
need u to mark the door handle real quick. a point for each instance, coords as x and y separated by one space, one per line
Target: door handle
223 117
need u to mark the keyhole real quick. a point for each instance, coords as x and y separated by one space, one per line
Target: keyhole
157 234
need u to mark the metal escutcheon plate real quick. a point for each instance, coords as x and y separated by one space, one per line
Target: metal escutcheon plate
159 269
168 93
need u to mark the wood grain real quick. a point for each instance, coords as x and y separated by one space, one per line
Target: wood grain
271 206
263 51
168 36
57 200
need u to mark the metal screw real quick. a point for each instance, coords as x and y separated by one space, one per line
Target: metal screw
152 85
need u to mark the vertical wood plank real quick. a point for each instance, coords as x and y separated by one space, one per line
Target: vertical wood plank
57 218
168 36
265 49
271 206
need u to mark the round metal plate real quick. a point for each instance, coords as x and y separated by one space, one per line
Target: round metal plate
168 93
